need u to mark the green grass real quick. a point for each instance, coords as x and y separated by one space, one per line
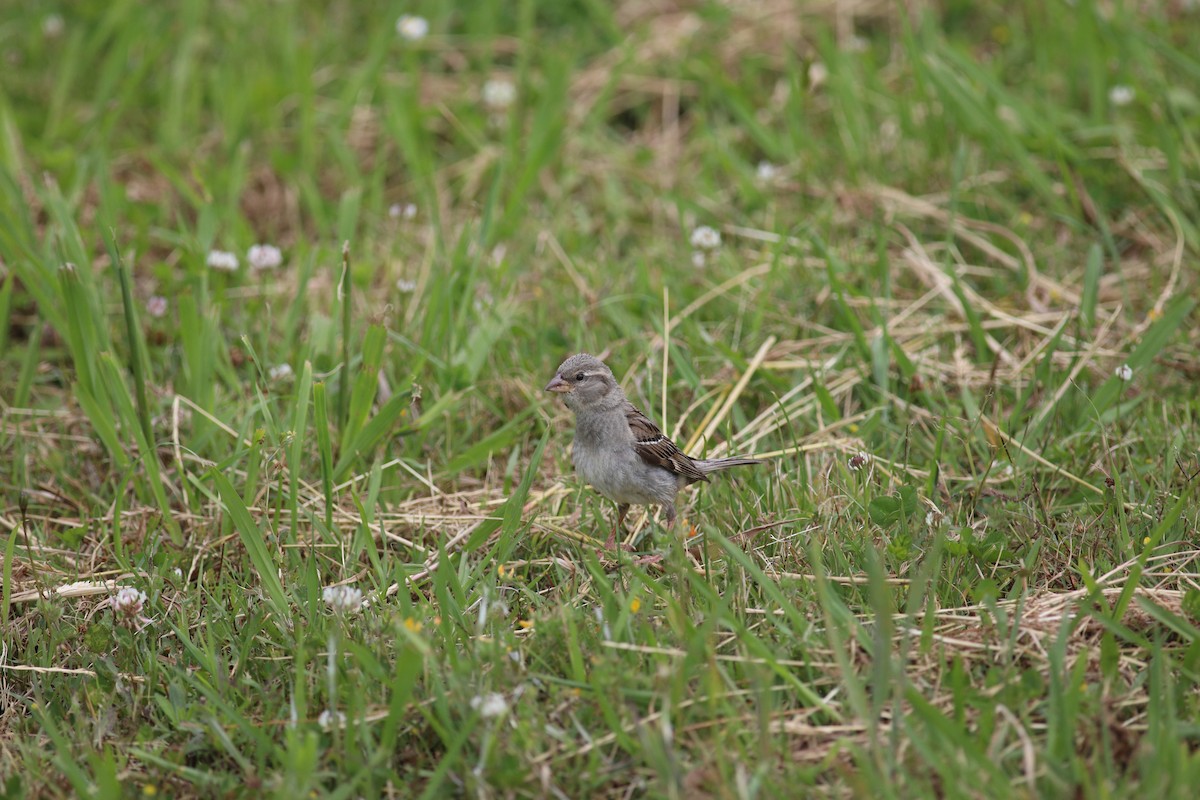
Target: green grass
970 227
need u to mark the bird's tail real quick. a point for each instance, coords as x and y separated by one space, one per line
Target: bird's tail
711 465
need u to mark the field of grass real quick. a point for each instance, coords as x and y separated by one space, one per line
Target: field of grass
953 301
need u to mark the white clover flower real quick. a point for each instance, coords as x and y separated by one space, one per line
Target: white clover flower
1124 372
222 261
129 600
859 460
407 211
406 286
330 719
1120 95
490 705
817 74
706 238
280 372
156 306
53 26
264 256
412 28
499 94
127 605
766 172
343 599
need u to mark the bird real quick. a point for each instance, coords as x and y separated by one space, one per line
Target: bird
618 450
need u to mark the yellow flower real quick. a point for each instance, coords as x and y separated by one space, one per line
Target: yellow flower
149 790
412 625
525 623
1146 540
500 570
635 605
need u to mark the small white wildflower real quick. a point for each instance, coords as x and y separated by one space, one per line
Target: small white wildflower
1124 372
264 256
490 705
499 94
706 238
223 261
156 306
859 460
699 259
343 599
127 605
129 600
766 172
53 26
412 28
407 210
406 286
330 719
817 74
178 573
394 210
280 372
1120 95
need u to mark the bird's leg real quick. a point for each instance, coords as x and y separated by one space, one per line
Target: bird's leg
619 525
669 513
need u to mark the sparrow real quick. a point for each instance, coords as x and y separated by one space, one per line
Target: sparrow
618 450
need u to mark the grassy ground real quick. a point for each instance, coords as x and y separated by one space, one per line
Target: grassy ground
970 569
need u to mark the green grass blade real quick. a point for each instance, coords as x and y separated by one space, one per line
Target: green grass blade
299 433
256 547
324 446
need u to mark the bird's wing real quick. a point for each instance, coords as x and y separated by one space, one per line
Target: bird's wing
655 448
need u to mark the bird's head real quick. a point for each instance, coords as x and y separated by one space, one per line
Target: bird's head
585 381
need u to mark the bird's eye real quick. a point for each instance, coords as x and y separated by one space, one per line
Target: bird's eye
580 376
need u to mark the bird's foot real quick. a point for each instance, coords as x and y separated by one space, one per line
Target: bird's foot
612 544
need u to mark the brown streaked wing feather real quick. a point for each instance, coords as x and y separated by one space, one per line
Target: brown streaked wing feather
655 448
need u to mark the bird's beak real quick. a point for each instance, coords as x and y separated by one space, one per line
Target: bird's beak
558 385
